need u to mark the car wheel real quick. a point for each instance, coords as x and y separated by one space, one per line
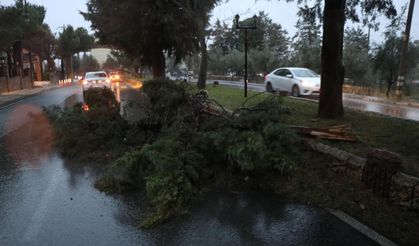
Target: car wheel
269 87
295 91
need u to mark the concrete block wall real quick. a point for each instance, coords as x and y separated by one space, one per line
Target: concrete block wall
404 188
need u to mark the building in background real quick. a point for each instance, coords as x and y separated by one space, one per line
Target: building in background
100 54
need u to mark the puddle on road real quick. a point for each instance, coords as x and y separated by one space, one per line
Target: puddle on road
385 109
30 142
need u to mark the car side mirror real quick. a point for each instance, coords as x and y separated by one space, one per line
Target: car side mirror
289 76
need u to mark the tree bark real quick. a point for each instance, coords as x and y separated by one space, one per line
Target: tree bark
333 72
159 65
18 57
202 78
69 67
31 67
8 70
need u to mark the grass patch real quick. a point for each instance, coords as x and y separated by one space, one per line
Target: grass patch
233 98
372 130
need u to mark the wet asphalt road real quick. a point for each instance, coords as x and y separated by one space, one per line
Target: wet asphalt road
403 112
46 200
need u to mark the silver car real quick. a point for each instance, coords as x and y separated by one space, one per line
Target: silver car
297 81
98 79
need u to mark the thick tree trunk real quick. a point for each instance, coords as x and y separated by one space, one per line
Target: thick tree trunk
159 65
18 57
333 72
202 78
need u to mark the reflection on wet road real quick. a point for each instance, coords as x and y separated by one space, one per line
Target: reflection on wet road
404 112
46 200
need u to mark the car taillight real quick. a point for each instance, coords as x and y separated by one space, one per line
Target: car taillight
266 77
85 107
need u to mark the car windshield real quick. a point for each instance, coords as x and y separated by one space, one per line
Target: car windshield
95 75
305 73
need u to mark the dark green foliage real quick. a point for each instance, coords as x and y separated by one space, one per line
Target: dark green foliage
101 98
186 147
96 134
147 29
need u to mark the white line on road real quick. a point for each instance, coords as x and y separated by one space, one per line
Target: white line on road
375 236
11 104
36 222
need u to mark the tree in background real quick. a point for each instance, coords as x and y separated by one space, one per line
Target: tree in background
72 42
10 26
306 45
24 27
386 56
334 15
11 31
268 47
85 64
147 30
355 56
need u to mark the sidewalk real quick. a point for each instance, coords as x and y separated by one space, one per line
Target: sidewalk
16 96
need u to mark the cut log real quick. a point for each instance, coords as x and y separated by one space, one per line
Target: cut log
339 132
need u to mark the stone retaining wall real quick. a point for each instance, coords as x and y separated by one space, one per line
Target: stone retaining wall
403 188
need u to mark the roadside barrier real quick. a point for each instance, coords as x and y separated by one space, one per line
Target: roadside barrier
65 82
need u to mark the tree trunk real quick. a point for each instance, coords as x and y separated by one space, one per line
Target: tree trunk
202 78
8 70
31 67
333 72
63 72
18 57
69 67
159 65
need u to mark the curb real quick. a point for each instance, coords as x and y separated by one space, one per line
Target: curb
24 97
362 228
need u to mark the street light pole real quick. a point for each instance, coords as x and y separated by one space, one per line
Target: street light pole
245 27
245 62
401 80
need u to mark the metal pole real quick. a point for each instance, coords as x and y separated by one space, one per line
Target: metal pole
245 62
403 61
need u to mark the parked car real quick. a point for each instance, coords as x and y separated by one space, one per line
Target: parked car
297 81
97 79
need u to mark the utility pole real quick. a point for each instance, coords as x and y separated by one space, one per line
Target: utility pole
245 27
401 80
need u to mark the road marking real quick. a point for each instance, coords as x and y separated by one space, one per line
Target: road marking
370 233
36 222
12 104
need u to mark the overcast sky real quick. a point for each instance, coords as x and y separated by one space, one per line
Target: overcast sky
66 12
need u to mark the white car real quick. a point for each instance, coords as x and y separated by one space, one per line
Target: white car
297 81
98 79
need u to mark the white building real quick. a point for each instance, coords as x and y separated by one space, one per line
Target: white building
101 54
